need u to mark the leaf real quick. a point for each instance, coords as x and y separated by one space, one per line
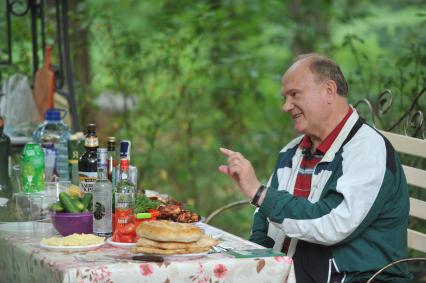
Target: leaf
260 265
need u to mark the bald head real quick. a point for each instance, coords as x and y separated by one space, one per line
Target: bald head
325 69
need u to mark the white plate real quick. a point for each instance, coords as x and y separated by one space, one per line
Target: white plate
185 256
209 231
71 248
120 245
179 257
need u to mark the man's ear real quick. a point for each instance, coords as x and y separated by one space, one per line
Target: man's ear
330 90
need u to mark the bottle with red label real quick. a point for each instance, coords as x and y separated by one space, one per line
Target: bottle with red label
125 229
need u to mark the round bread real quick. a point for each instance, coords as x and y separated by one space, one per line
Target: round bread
150 250
169 231
204 242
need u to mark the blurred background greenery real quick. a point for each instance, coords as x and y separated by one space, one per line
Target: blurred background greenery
182 78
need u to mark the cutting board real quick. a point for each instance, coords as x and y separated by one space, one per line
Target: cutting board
44 86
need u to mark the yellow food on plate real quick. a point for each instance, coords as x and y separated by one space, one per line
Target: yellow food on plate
73 240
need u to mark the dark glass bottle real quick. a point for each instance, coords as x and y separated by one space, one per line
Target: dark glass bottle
5 164
111 160
88 162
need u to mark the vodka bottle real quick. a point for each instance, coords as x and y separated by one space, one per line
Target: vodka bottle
102 198
124 198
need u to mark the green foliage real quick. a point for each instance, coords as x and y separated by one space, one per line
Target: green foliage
207 74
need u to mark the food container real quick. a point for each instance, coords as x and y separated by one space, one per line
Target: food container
67 223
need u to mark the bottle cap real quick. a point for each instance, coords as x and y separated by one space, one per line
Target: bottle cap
91 128
52 115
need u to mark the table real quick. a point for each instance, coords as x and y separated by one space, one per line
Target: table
27 262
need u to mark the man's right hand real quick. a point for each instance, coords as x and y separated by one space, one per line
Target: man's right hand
241 171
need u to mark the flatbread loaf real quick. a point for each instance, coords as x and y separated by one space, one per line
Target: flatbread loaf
169 231
150 250
204 242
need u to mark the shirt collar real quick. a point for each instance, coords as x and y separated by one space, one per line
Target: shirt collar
326 144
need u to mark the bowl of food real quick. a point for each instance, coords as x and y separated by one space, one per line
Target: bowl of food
67 223
72 213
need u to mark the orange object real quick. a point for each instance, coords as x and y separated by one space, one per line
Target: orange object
154 212
44 86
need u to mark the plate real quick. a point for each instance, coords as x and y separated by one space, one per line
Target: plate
120 245
180 256
71 248
214 233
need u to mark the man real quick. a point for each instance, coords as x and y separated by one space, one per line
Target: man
337 201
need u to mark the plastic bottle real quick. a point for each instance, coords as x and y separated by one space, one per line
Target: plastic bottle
54 132
32 168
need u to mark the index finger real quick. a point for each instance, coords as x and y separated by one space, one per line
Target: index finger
227 152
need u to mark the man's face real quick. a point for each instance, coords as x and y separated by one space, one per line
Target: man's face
305 99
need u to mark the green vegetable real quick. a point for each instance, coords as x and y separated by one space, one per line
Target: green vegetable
78 204
57 207
143 203
67 202
87 201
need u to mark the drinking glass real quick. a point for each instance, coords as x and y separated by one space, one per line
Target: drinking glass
16 178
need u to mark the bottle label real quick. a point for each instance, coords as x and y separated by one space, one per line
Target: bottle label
122 217
91 141
122 205
32 168
87 181
99 211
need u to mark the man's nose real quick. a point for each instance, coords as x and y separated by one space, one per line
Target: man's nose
288 105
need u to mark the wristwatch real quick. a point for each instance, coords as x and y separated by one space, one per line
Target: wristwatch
256 197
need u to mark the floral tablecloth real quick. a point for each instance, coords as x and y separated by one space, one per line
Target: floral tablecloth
25 261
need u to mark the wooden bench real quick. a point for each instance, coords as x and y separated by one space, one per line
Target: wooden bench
406 145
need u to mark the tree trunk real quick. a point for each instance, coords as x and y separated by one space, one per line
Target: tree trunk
311 22
80 59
